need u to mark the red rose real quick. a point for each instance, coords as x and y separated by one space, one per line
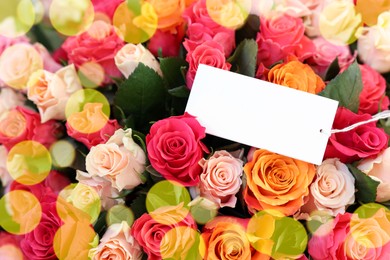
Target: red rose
174 148
99 44
364 141
92 139
149 233
21 124
168 43
280 37
210 53
372 97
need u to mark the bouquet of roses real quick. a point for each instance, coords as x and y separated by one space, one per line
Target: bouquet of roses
99 159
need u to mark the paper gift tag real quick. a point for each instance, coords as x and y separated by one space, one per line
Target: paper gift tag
262 114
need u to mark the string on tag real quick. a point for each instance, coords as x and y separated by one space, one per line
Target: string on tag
381 115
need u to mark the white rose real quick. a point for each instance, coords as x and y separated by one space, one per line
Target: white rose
10 99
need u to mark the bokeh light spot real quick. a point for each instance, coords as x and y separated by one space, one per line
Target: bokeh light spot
62 153
203 210
319 223
29 162
181 243
231 14
20 212
91 74
371 9
135 21
16 17
71 17
119 213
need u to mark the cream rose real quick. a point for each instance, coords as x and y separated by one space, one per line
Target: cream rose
10 99
17 63
333 188
220 179
374 44
108 194
339 21
50 92
117 243
120 161
378 169
5 177
128 58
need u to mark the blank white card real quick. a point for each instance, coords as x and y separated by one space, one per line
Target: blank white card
262 114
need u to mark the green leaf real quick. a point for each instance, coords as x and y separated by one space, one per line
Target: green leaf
142 96
366 187
180 92
333 70
244 58
346 88
172 70
250 28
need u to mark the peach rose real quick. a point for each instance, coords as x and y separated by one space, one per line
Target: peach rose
50 92
90 120
128 58
374 44
296 75
108 194
378 169
276 182
333 188
17 63
169 13
10 99
117 243
120 161
220 179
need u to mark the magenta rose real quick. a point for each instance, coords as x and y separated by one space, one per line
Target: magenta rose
210 53
364 141
174 148
372 97
99 44
95 138
280 37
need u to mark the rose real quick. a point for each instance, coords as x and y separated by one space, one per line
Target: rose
378 168
117 243
17 63
120 161
312 21
326 53
49 63
106 8
21 124
220 179
6 42
51 92
373 44
91 126
276 182
109 196
174 148
128 58
5 177
149 232
99 44
327 240
10 99
372 98
169 13
198 13
333 188
10 247
209 53
364 141
282 36
296 75
167 43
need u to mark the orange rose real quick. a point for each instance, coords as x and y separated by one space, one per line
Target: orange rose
295 74
169 13
276 182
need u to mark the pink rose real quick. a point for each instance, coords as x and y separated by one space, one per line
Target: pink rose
168 43
364 141
174 148
325 54
280 37
117 243
99 44
6 42
209 53
21 124
373 97
220 179
95 138
149 232
10 247
49 63
378 169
